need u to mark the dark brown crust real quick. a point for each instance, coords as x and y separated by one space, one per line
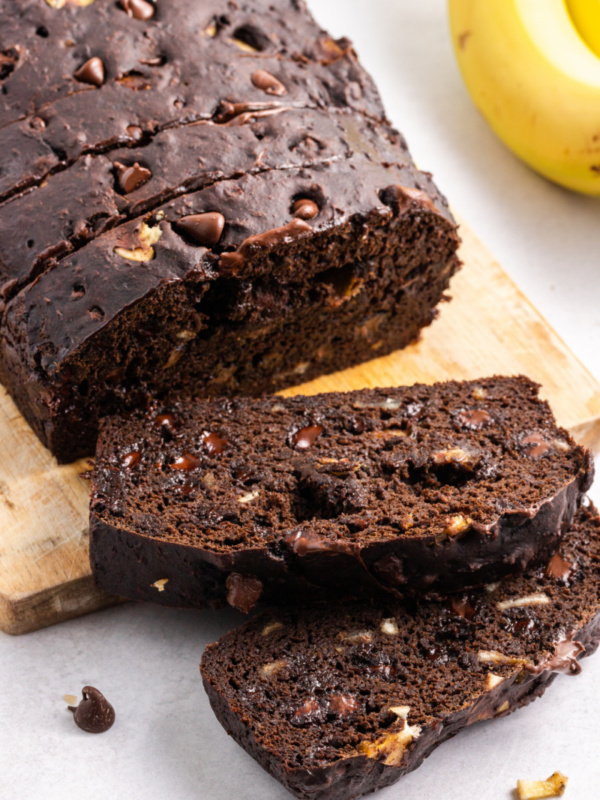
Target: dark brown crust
354 777
132 545
86 330
572 625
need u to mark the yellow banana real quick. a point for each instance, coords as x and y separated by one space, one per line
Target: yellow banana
586 16
535 81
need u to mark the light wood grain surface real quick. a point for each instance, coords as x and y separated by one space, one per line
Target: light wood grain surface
489 328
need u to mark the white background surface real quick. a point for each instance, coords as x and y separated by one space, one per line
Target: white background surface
166 743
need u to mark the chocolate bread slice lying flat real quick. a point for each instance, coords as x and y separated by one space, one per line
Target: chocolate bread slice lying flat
198 198
428 487
340 700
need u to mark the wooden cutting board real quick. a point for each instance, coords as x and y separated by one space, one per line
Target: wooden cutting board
489 327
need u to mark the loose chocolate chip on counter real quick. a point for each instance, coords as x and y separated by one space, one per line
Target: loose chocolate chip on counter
243 591
206 229
94 713
138 9
306 437
91 72
213 443
304 208
268 83
132 177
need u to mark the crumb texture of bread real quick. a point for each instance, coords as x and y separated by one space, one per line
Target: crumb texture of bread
417 488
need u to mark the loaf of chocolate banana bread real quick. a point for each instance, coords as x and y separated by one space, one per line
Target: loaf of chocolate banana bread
339 700
437 487
197 198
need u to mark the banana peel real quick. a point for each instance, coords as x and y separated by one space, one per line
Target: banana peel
536 82
586 16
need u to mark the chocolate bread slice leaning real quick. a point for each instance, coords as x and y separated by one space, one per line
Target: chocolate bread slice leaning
198 198
437 487
336 701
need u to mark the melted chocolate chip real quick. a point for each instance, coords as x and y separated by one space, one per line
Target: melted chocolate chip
185 462
94 714
138 9
303 542
131 178
166 422
91 72
268 83
539 445
462 606
342 705
558 568
305 438
213 443
205 229
563 660
474 420
402 198
284 235
304 208
310 711
243 591
131 459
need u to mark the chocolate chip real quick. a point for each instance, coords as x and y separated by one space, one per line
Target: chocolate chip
268 83
131 459
206 229
462 606
185 462
138 9
310 711
306 437
474 420
342 705
243 591
91 72
213 443
166 422
304 208
539 445
131 178
558 568
94 713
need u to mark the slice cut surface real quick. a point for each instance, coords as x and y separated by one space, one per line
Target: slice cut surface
336 701
426 487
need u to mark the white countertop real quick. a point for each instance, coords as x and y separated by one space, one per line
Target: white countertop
166 742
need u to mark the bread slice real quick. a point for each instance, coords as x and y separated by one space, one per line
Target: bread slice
339 700
428 487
